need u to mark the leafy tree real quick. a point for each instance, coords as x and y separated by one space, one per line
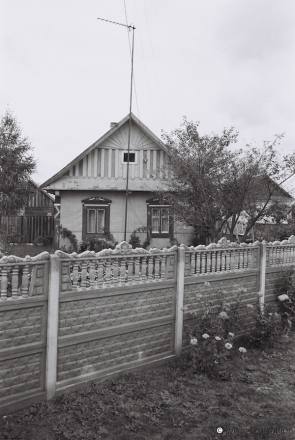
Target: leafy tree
211 185
16 166
196 187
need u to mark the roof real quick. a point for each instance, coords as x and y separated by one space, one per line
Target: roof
50 196
96 144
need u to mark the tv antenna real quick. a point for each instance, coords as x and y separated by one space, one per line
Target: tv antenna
130 28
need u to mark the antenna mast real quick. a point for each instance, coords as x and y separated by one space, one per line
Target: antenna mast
130 27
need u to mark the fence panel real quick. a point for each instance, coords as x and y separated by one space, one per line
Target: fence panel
23 324
26 229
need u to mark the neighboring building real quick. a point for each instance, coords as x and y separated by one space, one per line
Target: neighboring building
91 190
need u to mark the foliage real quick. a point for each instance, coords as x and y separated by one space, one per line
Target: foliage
268 327
67 234
44 241
4 240
286 300
135 239
16 166
212 333
210 186
96 245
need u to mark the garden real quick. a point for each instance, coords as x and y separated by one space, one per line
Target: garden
230 383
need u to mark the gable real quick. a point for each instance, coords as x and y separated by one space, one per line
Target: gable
104 160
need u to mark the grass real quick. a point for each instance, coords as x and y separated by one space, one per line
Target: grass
172 403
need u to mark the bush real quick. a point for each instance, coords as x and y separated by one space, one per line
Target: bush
212 334
44 241
268 327
70 241
96 245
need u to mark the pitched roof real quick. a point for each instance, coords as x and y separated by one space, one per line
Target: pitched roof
96 144
50 196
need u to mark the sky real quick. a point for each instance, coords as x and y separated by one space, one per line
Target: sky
66 75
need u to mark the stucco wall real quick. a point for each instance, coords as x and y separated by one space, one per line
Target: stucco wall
71 215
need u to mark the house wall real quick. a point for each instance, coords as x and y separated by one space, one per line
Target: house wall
71 216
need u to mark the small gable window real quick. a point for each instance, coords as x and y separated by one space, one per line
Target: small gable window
132 157
96 217
159 219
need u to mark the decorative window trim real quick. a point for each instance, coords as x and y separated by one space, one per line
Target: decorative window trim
97 203
126 152
154 204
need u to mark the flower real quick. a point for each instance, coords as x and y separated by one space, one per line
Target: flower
231 335
207 284
283 297
193 341
223 315
215 362
217 338
199 295
228 346
184 308
270 314
242 350
205 336
250 306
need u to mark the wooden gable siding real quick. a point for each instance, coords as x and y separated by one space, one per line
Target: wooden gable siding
102 167
106 160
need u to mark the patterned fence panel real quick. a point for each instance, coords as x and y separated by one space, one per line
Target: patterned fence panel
116 311
122 266
221 257
23 322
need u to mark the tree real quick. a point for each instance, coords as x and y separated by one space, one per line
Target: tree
212 185
16 166
196 188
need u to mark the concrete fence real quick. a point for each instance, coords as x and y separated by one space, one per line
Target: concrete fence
66 319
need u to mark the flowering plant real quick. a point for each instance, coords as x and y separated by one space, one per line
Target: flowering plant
210 328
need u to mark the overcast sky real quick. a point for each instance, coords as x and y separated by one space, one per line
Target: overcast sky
66 75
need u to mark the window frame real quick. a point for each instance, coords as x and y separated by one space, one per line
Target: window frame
135 157
154 204
97 204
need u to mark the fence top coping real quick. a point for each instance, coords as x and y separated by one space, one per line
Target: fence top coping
290 242
8 259
122 248
223 243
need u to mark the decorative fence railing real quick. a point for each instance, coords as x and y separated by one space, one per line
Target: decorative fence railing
118 267
280 252
223 256
23 277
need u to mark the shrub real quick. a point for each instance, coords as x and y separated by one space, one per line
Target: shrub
268 327
212 334
286 300
71 243
96 245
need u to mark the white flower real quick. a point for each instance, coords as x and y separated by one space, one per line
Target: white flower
250 306
205 336
270 314
223 315
193 341
228 346
231 335
242 350
283 297
215 362
217 338
184 308
207 284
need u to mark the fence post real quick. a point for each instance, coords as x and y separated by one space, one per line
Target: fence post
52 325
179 300
262 274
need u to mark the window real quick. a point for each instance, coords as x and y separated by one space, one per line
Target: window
132 157
160 222
96 217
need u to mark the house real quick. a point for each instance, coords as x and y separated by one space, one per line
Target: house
277 196
91 190
34 220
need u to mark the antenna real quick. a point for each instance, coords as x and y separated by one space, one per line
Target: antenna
130 27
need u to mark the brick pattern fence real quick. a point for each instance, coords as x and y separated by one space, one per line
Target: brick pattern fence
66 319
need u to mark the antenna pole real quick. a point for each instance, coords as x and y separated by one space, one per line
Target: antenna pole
129 136
130 107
